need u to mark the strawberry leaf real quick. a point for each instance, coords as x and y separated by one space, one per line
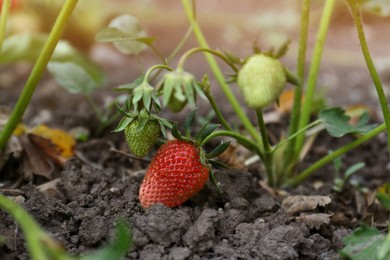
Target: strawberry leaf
337 122
379 7
81 81
365 243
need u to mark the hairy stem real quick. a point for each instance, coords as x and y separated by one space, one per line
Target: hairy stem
313 73
355 11
190 52
296 109
268 157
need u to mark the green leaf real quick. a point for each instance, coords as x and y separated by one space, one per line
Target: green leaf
205 131
364 243
337 122
379 7
218 164
75 78
354 168
125 121
214 181
25 47
117 249
126 34
218 150
176 133
383 195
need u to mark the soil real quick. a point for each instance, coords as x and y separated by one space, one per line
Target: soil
245 221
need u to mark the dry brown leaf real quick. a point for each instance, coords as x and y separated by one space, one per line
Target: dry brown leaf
301 203
314 221
286 101
63 143
37 162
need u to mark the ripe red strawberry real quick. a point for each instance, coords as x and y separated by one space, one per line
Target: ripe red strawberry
175 174
180 168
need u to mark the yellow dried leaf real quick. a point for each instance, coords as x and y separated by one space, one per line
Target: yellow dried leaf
64 142
20 130
286 101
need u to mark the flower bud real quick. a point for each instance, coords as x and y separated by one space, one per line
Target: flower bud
261 80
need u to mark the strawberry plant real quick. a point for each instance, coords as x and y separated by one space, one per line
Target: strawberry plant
261 78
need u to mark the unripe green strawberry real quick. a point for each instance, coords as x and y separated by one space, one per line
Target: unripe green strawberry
140 142
261 80
175 174
176 105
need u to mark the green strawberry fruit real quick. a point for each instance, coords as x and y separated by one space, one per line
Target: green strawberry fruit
141 141
261 80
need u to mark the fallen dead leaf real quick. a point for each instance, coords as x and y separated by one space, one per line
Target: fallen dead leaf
300 203
234 156
63 143
315 220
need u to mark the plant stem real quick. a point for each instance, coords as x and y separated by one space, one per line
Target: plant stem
329 158
293 136
268 160
301 61
190 52
181 44
313 73
3 20
240 138
219 75
217 111
355 11
151 69
37 72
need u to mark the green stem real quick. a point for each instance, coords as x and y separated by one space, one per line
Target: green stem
240 138
329 158
190 52
313 73
293 136
219 75
268 160
6 6
181 44
217 111
296 109
151 69
37 72
355 10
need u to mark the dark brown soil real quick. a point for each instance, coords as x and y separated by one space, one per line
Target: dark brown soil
244 222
